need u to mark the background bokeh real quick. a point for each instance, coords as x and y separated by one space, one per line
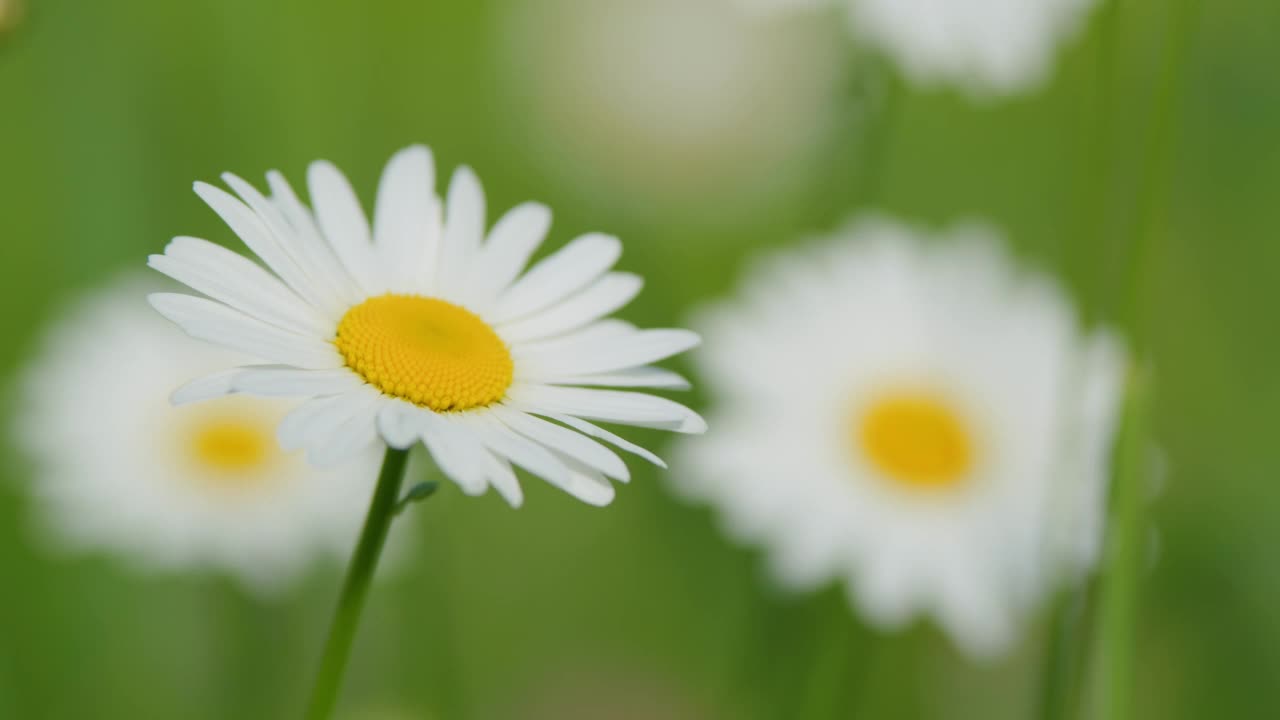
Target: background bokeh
109 110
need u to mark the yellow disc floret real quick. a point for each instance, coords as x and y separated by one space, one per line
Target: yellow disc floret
427 351
916 439
231 446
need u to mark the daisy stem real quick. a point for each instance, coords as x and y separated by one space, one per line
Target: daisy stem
1125 557
1058 690
1126 543
355 588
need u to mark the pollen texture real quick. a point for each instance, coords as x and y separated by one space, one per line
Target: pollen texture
427 351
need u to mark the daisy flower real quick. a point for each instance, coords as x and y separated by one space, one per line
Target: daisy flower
984 46
426 329
915 418
116 467
671 103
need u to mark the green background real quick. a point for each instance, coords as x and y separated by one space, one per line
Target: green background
109 110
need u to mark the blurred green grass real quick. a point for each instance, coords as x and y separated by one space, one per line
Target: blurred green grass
108 111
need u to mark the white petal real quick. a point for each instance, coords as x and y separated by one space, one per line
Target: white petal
606 295
596 431
323 288
206 388
344 225
252 230
407 220
458 453
315 416
311 244
463 229
237 281
401 423
217 323
503 479
588 486
596 333
565 272
617 353
643 377
511 243
626 408
292 382
328 447
565 441
515 447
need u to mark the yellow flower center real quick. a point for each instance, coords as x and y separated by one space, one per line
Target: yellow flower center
916 439
232 446
427 351
229 444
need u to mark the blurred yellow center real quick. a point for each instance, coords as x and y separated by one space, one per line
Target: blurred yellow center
916 438
232 446
426 351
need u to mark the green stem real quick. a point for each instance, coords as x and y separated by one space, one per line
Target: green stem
1126 547
1125 557
1060 683
356 586
1152 219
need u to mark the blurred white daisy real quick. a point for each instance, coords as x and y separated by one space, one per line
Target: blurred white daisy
689 106
423 328
115 466
914 417
11 12
986 46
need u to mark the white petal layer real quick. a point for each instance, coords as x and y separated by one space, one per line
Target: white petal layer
646 377
320 263
615 353
232 279
565 272
510 245
817 335
215 322
565 441
595 431
626 408
292 382
464 226
407 221
606 295
344 225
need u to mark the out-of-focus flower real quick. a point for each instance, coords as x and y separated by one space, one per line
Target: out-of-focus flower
672 105
117 467
916 418
11 12
986 46
424 330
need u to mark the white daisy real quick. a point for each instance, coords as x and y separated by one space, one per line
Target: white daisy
116 466
986 46
424 329
917 419
671 103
